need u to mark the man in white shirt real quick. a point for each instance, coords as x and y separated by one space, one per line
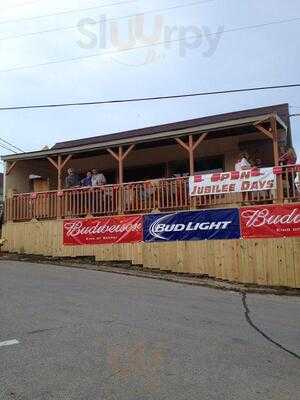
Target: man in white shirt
98 179
242 163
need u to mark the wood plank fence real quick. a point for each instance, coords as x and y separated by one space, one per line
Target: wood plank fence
270 262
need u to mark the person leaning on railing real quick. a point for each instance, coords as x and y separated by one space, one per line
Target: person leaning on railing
242 164
98 179
72 179
289 157
102 197
87 181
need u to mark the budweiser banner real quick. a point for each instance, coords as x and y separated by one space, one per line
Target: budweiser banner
255 179
270 221
106 230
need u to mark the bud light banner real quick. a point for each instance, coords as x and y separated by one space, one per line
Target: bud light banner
196 225
270 221
106 230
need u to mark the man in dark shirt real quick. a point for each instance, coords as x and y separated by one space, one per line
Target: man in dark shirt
72 179
87 181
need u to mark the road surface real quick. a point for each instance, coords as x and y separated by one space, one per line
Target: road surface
77 334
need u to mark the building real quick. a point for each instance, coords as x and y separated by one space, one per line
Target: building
1 188
148 169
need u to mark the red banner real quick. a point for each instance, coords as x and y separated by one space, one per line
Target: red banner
104 230
270 221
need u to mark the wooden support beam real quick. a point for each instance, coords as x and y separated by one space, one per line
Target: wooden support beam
113 154
128 151
199 140
279 179
121 170
59 169
262 121
191 147
264 131
10 167
59 165
120 157
191 155
182 144
52 162
275 140
67 159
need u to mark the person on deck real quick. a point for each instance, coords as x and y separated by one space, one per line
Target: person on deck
289 157
87 181
72 180
98 179
243 163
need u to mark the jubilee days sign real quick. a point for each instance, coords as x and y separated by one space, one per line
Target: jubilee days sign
256 179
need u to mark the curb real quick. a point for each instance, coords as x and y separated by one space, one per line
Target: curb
136 271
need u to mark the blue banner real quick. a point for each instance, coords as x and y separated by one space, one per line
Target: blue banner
194 225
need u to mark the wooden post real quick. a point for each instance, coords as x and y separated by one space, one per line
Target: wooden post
272 133
121 170
191 155
275 140
276 159
120 157
59 165
59 173
190 148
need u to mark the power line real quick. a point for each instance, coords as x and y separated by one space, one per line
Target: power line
79 58
74 10
10 144
140 99
26 3
7 148
72 27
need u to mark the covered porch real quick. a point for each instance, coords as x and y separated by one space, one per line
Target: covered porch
148 169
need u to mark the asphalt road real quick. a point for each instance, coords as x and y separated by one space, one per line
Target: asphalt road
95 335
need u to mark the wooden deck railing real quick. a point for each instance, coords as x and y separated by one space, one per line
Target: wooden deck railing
140 197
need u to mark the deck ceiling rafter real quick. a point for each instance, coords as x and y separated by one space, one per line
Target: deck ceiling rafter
266 132
54 163
11 166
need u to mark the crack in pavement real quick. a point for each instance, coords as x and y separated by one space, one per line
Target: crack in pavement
68 326
261 332
44 330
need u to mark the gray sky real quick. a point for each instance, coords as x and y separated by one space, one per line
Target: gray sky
205 61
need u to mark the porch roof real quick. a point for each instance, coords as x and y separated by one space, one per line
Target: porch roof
176 129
